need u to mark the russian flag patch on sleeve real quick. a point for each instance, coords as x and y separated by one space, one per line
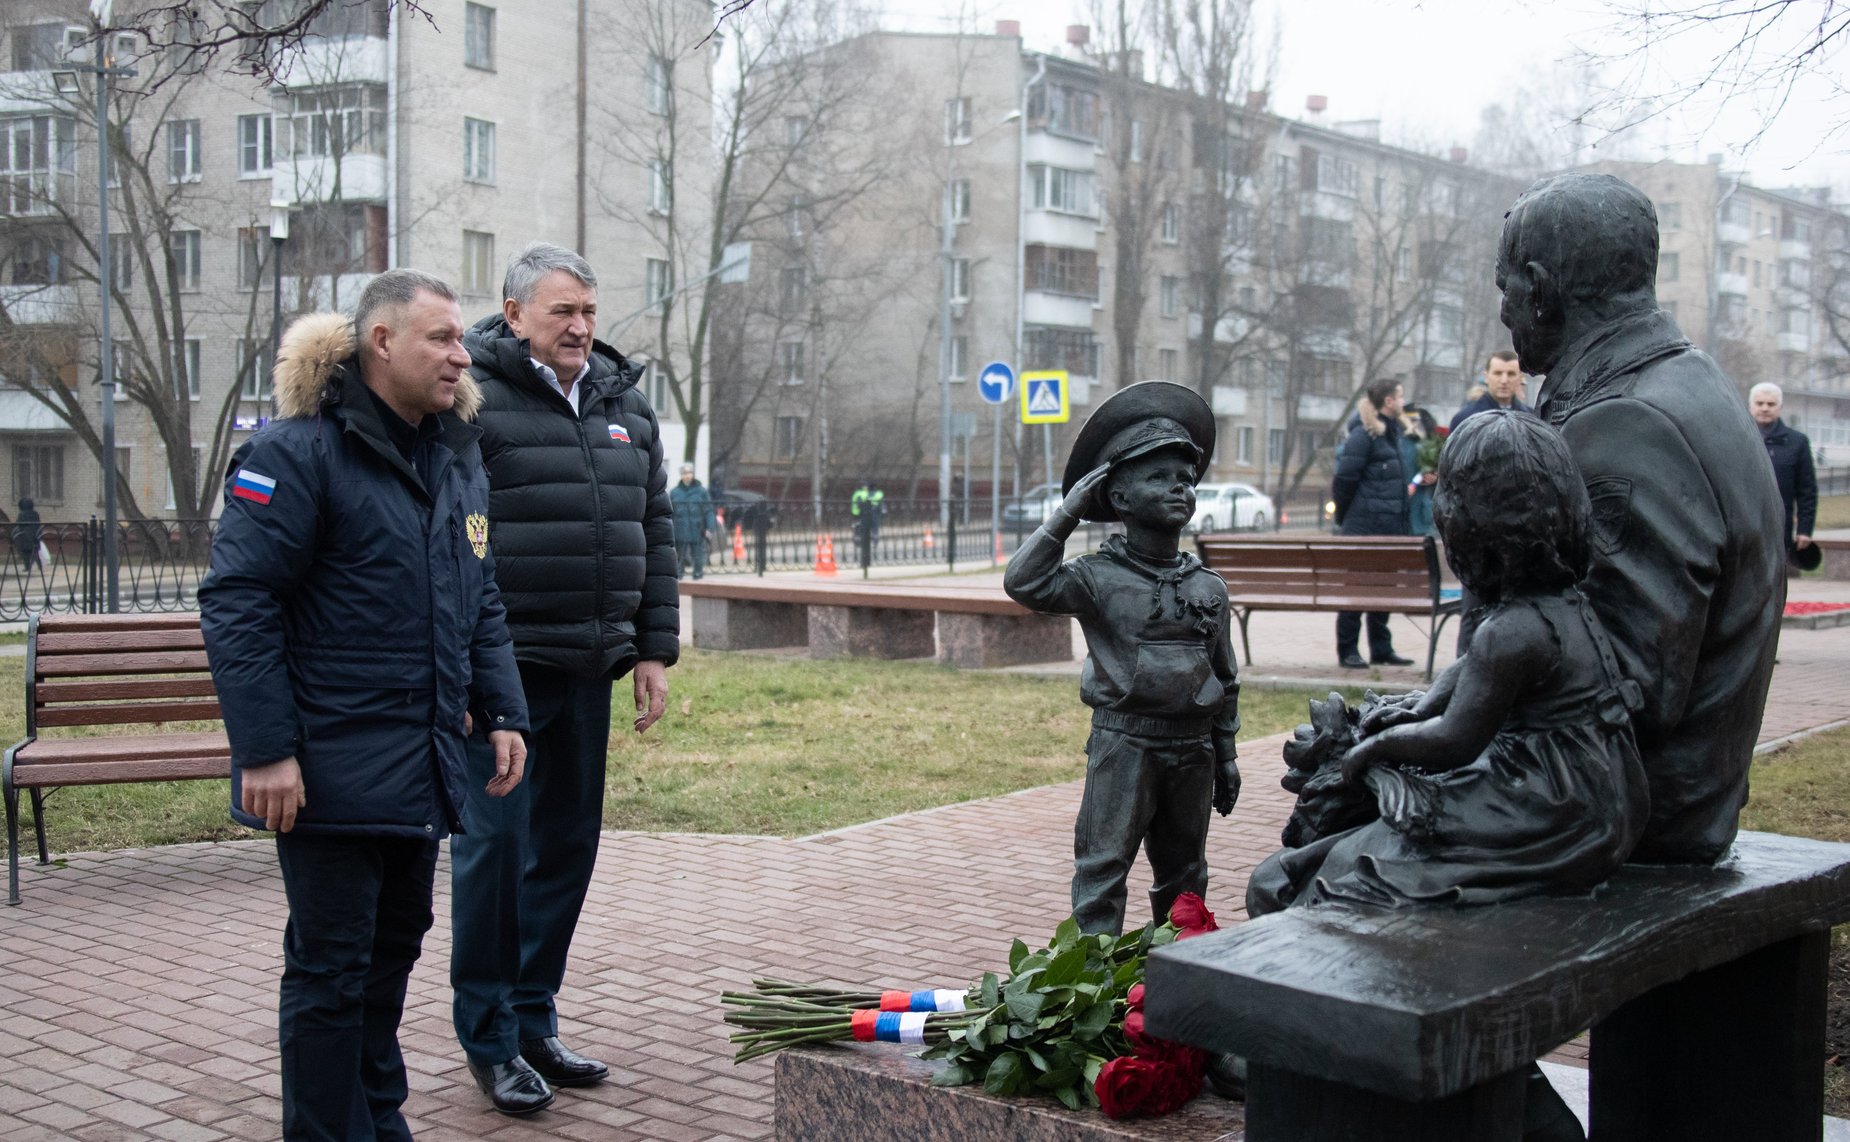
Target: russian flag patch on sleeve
253 486
619 433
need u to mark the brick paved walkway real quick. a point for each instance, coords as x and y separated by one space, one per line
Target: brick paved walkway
137 988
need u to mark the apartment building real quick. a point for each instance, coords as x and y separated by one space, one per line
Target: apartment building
443 143
1059 211
1745 271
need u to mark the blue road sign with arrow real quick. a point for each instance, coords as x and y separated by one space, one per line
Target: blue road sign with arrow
995 382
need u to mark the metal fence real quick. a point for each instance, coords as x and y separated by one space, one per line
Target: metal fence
59 566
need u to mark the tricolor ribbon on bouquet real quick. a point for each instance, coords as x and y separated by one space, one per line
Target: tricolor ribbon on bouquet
888 1026
937 999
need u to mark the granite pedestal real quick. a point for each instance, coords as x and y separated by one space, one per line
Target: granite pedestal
869 632
860 1091
743 624
985 641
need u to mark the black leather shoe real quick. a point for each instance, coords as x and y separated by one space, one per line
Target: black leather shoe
1392 659
514 1087
559 1064
1352 662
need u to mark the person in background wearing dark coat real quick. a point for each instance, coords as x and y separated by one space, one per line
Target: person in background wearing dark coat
693 522
1790 452
1371 497
1502 388
1417 429
584 532
1688 570
346 696
28 533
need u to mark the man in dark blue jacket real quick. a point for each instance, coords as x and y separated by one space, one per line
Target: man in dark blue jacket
1370 490
1790 452
352 622
1502 383
584 532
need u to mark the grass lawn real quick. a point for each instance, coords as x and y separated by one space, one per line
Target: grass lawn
1805 791
750 744
1833 511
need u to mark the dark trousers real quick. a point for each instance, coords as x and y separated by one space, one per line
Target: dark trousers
519 874
358 911
692 553
1349 630
1153 792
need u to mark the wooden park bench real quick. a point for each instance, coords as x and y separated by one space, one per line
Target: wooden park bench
1397 574
1704 988
973 626
86 671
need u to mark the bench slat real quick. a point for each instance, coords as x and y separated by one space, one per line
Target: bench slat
129 641
125 713
151 662
96 690
122 747
123 772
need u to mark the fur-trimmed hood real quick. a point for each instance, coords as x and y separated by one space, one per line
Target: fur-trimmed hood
314 350
1370 417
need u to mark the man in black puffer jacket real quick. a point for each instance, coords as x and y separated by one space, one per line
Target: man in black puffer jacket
1371 497
583 532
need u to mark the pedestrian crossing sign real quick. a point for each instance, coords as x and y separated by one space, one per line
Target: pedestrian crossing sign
1046 398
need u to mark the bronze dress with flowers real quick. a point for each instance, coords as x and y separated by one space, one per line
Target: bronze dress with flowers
1555 803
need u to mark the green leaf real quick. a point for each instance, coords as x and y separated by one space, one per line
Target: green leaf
1025 1006
1004 1074
1093 1020
1067 1095
1018 952
954 1075
992 988
1094 1064
1035 1057
1059 1077
997 1034
1066 933
1065 968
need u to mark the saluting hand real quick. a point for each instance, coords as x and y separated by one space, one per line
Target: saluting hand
510 761
273 792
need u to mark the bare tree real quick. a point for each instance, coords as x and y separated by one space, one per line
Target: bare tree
257 38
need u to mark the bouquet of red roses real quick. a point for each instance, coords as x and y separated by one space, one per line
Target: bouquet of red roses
1066 1022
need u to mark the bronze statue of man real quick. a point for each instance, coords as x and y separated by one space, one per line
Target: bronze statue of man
1159 672
1687 565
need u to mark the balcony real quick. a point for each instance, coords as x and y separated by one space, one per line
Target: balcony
314 178
1792 342
20 411
325 291
40 304
1059 151
348 59
1795 248
1321 408
1733 233
1229 400
1049 228
1039 307
1731 285
28 93
1324 204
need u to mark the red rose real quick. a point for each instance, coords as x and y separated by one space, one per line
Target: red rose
1135 1035
1190 914
1135 997
1192 1061
1124 1087
1172 1089
1443 430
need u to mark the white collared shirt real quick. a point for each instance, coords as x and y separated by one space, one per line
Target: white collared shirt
552 378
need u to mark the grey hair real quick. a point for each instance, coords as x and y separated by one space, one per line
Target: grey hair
392 290
1779 394
535 261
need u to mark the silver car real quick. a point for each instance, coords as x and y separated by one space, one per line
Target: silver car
1231 507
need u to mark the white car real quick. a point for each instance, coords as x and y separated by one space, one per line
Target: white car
1231 507
1033 508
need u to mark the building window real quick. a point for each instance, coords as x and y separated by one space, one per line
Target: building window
1166 364
787 438
794 215
1338 176
1074 350
1667 267
1275 446
1243 445
1403 264
960 200
1064 110
198 459
478 150
1670 216
37 47
1172 223
185 245
791 354
38 163
960 354
957 120
337 121
189 366
38 472
479 36
1136 141
658 86
1796 272
250 256
478 274
254 368
1067 191
661 179
254 136
960 279
183 164
1170 295
1307 443
795 127
1062 270
122 254
657 281
793 288
338 238
1736 213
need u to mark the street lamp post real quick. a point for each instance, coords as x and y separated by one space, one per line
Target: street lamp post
279 233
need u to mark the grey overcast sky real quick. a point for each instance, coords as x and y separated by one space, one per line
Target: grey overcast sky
1426 68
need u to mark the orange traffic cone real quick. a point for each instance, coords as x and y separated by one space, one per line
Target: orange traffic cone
825 555
738 541
928 537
